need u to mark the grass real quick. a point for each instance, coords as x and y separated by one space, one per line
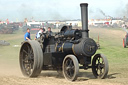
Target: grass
111 47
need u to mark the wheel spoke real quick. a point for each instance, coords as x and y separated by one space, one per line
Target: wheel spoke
100 72
31 51
67 73
25 62
71 73
28 48
66 63
99 66
25 51
69 67
98 60
71 63
102 65
102 62
72 67
96 69
28 69
28 59
32 56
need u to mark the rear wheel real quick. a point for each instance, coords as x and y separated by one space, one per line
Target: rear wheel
100 66
124 43
70 67
31 58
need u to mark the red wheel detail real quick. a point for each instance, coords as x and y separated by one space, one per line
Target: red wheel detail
124 45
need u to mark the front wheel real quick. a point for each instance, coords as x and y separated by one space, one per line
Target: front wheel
70 67
100 66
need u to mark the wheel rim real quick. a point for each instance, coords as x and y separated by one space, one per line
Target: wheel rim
27 59
100 66
69 68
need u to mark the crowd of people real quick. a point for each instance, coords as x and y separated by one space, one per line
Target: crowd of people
41 31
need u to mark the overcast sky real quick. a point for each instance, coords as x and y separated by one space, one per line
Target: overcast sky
59 9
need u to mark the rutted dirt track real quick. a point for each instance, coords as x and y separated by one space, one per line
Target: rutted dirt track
14 77
10 74
49 78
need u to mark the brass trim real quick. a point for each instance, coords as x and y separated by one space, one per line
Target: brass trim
62 47
73 50
56 46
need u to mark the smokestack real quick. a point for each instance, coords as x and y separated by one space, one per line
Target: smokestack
84 18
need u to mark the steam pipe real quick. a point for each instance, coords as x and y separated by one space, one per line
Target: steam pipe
84 19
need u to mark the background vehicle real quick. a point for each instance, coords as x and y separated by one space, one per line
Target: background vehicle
125 41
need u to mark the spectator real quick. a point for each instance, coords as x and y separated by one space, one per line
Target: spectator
27 35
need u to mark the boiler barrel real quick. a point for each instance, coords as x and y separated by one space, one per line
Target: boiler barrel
86 47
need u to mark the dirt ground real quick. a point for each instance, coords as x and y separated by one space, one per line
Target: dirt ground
9 76
10 73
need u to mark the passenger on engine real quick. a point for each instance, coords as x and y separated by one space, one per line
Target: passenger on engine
40 32
49 32
70 26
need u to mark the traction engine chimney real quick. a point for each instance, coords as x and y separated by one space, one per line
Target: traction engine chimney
84 19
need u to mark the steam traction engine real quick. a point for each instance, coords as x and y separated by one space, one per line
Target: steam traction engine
63 52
